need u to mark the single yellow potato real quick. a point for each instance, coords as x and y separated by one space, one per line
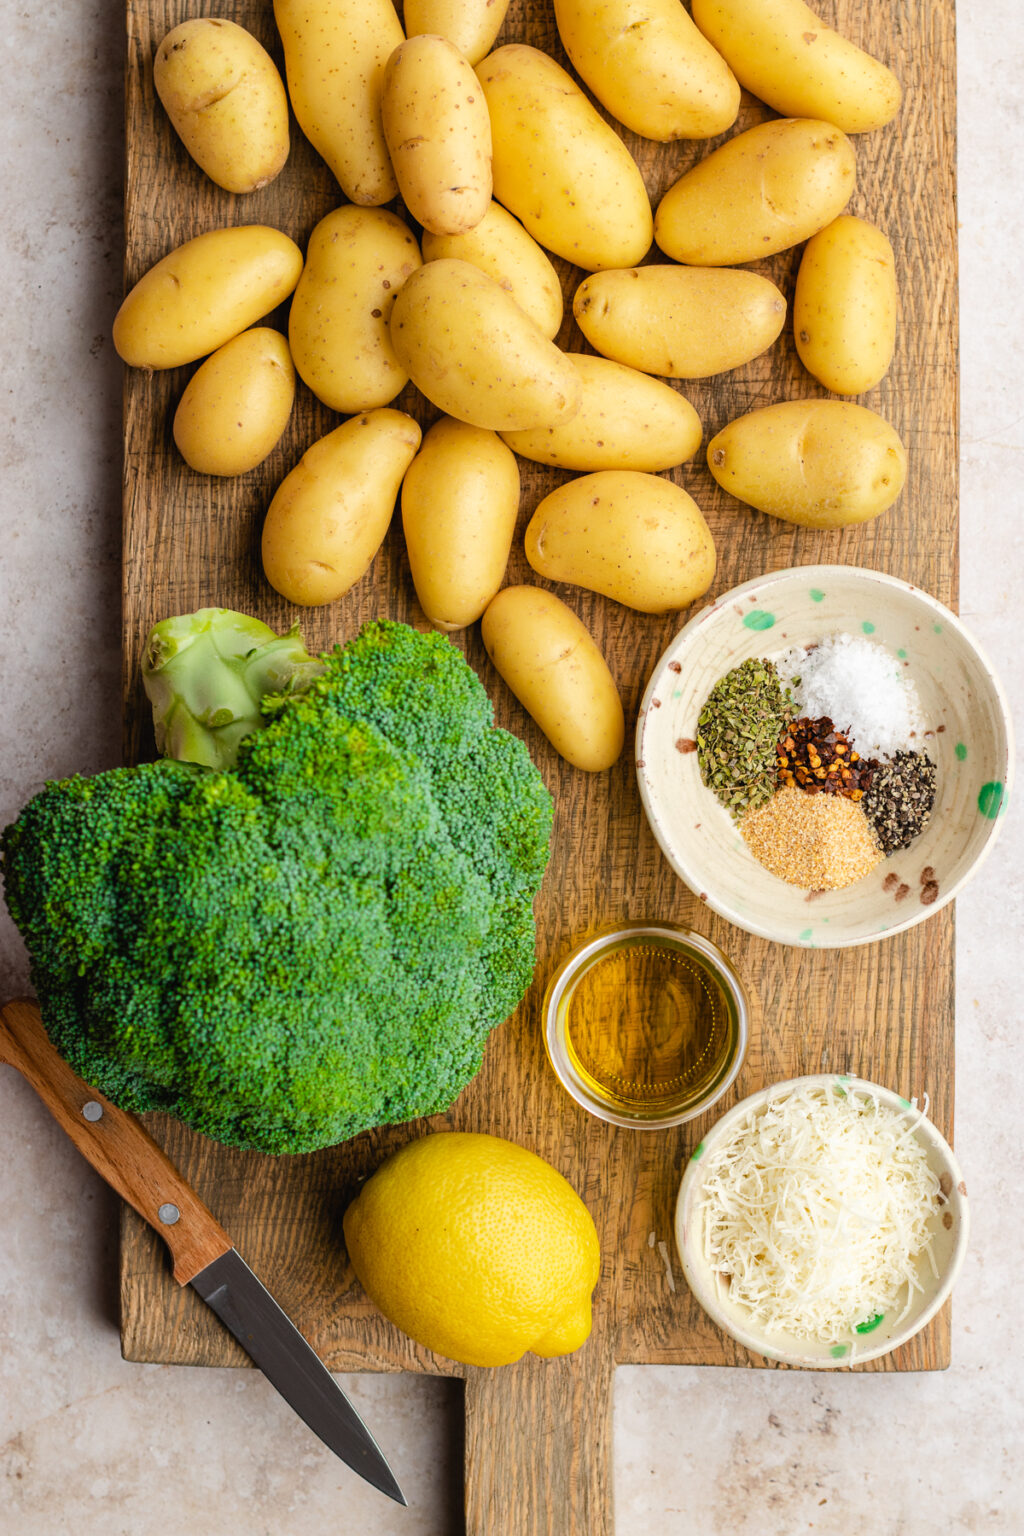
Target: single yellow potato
761 192
559 167
339 322
329 516
552 665
636 538
626 420
334 58
438 133
227 102
460 500
472 25
785 55
500 246
236 404
203 293
649 65
468 347
820 463
683 322
844 308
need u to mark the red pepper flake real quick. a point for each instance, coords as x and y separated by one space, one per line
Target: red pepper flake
814 756
686 744
655 703
675 666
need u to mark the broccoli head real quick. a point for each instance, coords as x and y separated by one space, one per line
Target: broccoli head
315 941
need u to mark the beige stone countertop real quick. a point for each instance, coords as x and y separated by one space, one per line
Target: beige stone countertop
95 1446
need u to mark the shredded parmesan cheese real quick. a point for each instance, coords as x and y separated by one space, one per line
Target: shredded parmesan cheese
816 1212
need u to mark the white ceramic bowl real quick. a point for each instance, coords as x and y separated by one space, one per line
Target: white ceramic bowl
949 1224
969 737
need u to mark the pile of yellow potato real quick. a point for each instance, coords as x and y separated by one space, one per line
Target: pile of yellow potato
500 157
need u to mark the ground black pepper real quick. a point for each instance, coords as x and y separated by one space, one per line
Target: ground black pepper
899 802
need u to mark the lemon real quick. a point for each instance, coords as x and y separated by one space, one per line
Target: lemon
476 1248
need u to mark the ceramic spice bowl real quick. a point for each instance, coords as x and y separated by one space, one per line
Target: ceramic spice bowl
968 735
948 1224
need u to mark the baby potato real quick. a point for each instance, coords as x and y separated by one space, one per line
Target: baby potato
472 25
683 322
203 293
559 167
761 192
649 65
329 516
820 463
844 308
438 133
339 322
460 500
468 347
626 420
549 659
500 246
334 58
236 404
785 55
226 100
637 539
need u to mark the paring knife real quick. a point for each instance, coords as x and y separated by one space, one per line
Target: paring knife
132 1163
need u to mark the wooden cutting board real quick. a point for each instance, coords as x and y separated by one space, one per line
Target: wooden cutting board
538 1435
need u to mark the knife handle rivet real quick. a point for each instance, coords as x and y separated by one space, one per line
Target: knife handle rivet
168 1214
92 1110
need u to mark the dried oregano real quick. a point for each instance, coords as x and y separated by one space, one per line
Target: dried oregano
737 733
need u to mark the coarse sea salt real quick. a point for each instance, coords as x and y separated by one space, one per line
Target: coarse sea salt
861 686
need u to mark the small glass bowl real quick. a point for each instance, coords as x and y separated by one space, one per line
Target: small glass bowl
646 1025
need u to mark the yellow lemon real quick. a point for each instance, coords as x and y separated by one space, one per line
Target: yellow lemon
476 1248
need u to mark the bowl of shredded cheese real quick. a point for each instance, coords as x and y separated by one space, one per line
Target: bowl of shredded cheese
825 756
822 1222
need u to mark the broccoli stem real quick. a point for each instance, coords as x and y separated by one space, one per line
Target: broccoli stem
207 675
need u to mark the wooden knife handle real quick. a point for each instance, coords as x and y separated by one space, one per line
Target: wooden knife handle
116 1144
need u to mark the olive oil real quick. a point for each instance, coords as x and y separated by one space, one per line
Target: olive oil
646 1025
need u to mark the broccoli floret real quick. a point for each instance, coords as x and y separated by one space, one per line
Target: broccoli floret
314 942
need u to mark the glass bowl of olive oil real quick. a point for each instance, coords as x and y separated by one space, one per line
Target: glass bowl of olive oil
646 1024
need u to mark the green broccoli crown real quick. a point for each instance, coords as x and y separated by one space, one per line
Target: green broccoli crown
314 942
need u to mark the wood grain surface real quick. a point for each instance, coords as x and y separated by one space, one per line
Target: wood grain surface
538 1434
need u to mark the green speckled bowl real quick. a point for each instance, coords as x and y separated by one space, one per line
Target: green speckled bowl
969 737
949 1224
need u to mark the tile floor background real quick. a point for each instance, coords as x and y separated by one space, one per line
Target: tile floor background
91 1444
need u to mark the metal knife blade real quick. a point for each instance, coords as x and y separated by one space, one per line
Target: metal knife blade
271 1339
122 1151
